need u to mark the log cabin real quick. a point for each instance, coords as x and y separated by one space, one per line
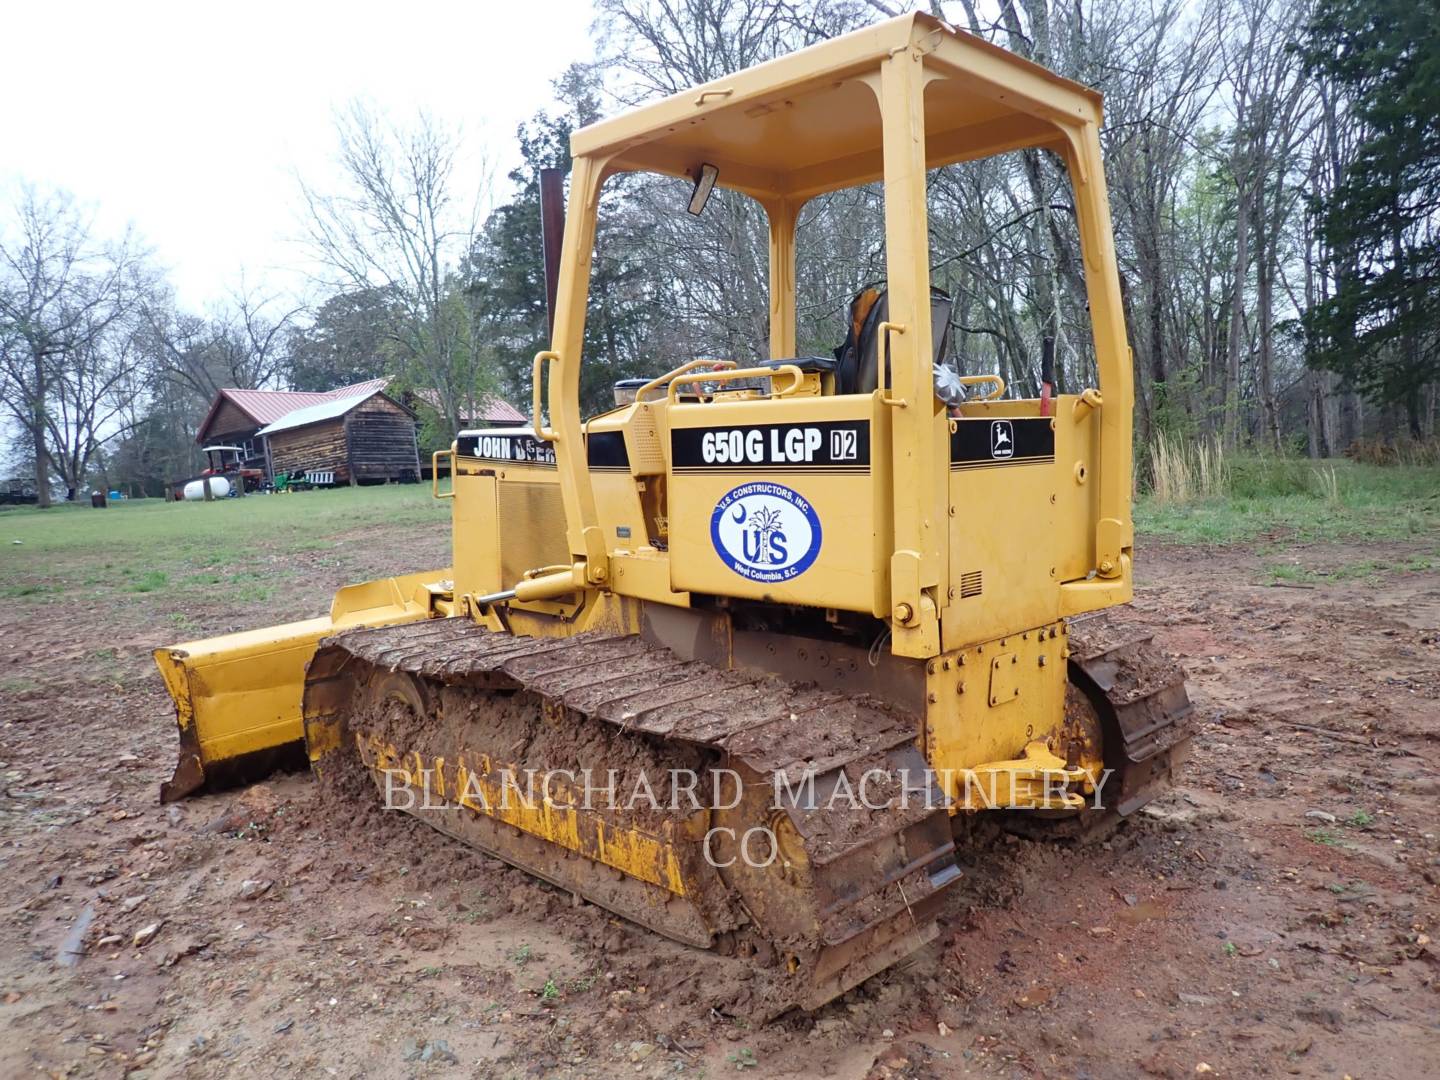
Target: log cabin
236 416
363 437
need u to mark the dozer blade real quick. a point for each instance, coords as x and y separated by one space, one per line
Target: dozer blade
237 697
725 809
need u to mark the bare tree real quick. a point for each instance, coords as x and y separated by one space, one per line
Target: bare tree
664 46
63 296
241 341
402 227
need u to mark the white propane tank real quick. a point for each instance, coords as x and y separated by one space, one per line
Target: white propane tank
195 489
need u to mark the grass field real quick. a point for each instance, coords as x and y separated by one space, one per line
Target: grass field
1300 501
244 547
236 546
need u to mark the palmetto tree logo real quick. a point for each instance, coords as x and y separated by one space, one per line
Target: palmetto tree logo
764 542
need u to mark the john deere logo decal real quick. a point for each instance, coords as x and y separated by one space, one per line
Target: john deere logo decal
765 532
1002 439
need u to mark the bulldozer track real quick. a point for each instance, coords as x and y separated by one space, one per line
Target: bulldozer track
845 890
1140 692
849 889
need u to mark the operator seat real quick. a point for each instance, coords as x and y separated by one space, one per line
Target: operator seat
856 363
859 357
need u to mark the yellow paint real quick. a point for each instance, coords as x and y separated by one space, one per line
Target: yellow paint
241 693
988 702
887 103
1038 780
513 797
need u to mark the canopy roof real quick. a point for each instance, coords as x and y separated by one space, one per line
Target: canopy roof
338 403
267 406
808 122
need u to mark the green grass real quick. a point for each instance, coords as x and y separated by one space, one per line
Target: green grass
236 548
1287 574
1285 500
148 581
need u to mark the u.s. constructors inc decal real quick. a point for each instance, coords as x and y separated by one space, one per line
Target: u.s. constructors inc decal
765 532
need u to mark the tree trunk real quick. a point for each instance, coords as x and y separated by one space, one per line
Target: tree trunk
1351 421
1319 428
1236 332
1265 292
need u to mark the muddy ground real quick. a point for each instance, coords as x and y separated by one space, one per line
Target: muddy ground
1273 917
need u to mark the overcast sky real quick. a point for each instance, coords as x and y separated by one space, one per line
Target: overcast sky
190 119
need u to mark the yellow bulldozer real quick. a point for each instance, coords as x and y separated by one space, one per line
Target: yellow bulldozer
819 612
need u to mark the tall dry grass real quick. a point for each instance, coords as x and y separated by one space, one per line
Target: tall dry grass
1183 470
1401 451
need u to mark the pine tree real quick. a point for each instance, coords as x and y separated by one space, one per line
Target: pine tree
1381 329
509 278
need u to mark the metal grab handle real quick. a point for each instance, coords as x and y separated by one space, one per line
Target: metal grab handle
797 377
537 379
709 365
976 380
882 379
435 491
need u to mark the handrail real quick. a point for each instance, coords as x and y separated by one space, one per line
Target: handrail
536 382
797 378
435 491
976 380
882 363
709 365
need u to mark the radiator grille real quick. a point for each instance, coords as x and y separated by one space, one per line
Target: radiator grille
532 529
972 583
646 456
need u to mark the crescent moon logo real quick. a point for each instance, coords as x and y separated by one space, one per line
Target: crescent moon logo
739 515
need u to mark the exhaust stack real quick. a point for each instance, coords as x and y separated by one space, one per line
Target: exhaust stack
552 229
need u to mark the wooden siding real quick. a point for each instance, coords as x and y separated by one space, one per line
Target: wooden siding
382 441
229 421
374 441
319 446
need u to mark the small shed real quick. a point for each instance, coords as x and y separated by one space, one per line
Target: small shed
364 437
236 416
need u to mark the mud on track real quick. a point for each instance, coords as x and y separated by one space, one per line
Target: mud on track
1236 926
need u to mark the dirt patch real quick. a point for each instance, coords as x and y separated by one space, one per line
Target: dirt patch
1274 917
